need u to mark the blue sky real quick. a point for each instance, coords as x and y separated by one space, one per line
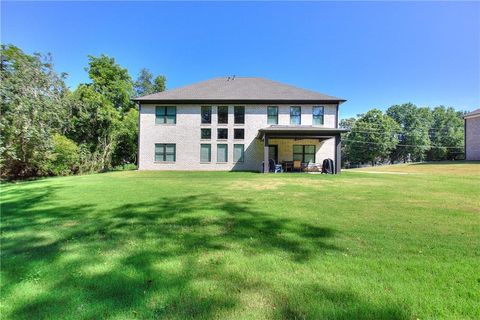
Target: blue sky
374 54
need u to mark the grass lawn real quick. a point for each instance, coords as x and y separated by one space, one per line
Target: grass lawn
175 245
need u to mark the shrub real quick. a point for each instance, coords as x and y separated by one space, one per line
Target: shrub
65 156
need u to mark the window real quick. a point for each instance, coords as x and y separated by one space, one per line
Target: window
317 113
206 134
205 153
239 114
222 152
206 113
222 114
238 151
272 115
164 152
304 153
222 133
295 115
238 133
165 115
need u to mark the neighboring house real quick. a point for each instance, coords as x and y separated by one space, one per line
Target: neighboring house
472 135
236 123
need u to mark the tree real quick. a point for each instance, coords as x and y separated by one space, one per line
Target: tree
65 157
33 108
372 138
95 124
414 124
126 151
160 82
346 124
144 85
111 80
446 134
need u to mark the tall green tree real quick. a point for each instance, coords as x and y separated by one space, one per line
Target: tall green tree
446 134
414 124
144 84
373 137
33 108
126 151
160 83
111 80
95 124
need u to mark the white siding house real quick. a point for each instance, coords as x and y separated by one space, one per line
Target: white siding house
236 124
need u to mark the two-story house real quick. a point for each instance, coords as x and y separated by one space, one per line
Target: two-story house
236 123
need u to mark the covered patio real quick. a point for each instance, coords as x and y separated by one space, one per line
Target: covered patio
308 145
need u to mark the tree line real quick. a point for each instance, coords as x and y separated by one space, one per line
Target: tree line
48 129
403 133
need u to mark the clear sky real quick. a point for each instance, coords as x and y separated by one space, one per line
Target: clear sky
374 54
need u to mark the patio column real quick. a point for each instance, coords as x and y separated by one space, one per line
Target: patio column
338 153
265 154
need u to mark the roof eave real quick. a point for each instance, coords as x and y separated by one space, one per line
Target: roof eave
246 101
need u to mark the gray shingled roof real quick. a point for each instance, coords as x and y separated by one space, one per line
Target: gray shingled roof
473 113
238 89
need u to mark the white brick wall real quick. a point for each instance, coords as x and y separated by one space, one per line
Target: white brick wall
186 135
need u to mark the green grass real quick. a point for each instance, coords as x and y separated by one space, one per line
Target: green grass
174 245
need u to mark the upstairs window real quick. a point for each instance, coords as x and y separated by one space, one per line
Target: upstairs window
206 113
222 133
206 133
317 114
238 133
239 114
295 115
222 114
165 152
165 115
272 115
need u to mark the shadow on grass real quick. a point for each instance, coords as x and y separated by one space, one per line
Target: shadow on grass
159 259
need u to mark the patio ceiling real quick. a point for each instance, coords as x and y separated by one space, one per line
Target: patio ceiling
299 132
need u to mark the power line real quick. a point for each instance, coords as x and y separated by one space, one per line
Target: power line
405 145
398 133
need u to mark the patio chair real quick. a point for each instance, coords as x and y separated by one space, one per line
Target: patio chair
297 165
276 168
272 166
